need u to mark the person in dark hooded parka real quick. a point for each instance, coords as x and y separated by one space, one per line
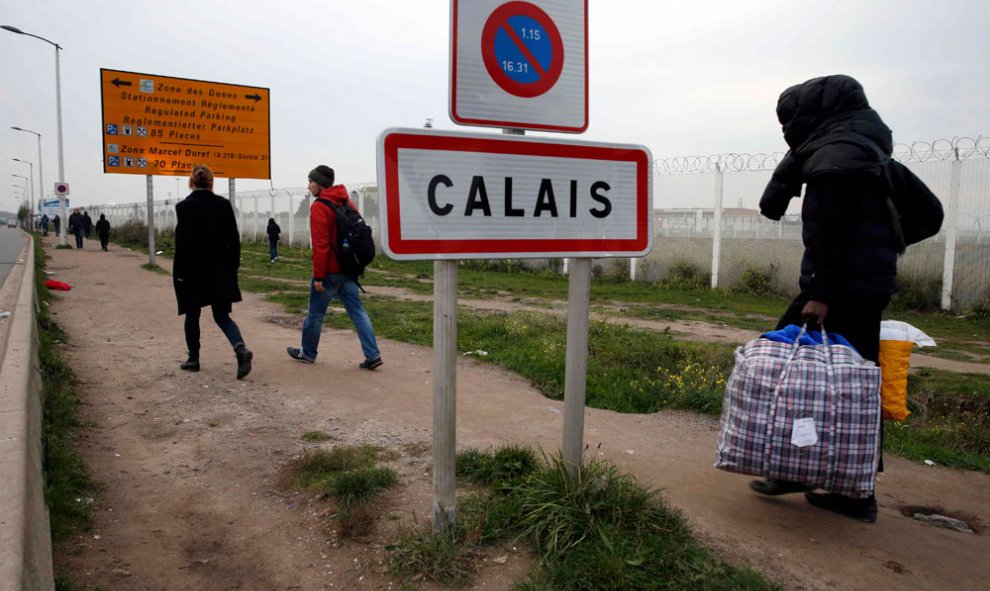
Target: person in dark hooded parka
204 270
839 147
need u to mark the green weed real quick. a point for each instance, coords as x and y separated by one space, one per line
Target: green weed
349 476
314 436
594 528
69 488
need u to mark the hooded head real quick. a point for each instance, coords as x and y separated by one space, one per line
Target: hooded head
103 216
803 108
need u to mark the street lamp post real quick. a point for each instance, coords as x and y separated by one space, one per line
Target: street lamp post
41 175
31 164
25 186
58 107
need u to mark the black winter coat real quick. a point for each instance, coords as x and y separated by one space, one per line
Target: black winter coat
103 229
274 231
838 149
207 252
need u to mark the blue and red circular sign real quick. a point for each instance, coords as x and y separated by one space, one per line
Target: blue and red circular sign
522 49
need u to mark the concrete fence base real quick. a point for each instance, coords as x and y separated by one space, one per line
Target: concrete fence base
25 534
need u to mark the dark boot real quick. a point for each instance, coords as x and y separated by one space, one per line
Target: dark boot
191 364
771 487
864 510
243 361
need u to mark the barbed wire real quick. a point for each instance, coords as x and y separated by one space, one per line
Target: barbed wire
962 148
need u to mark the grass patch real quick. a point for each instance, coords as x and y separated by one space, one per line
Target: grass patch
949 422
504 466
69 488
349 476
154 269
314 436
593 529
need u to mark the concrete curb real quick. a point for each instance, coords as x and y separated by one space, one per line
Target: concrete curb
25 534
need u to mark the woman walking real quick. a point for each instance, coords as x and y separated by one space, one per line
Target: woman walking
204 272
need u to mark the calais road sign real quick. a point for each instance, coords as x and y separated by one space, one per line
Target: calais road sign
520 64
62 189
159 125
450 195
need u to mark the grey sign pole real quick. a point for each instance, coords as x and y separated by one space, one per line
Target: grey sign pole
444 393
576 364
151 220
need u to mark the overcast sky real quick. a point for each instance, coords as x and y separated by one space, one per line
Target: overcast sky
683 78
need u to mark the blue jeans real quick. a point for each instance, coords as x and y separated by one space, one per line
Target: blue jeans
223 320
79 236
347 291
272 250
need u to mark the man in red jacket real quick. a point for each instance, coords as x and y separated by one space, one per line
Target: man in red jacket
328 282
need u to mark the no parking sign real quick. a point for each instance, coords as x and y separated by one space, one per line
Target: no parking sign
520 64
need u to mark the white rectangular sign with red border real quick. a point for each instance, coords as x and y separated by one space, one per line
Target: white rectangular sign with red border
448 195
520 64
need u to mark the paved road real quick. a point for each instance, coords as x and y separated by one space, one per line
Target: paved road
11 241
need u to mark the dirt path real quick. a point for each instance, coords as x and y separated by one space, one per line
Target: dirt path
189 460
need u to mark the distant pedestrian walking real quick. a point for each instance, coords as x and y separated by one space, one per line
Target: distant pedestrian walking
328 282
103 231
57 224
44 224
273 233
87 225
204 270
76 227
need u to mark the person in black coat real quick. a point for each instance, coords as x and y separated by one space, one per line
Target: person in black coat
103 231
76 227
204 271
273 233
839 147
87 225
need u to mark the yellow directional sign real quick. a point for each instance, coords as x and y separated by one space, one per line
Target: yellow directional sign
160 125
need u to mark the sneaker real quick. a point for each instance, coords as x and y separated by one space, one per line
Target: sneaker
370 364
864 510
296 353
191 364
773 488
244 358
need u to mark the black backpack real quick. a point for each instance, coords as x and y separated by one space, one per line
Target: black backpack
355 245
916 211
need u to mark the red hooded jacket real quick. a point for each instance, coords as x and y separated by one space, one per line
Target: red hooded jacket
323 231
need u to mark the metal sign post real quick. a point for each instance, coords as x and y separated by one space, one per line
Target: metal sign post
444 393
576 365
151 220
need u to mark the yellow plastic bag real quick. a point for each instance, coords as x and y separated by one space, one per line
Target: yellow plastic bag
895 358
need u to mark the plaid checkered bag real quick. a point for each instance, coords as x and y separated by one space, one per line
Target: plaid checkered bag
802 413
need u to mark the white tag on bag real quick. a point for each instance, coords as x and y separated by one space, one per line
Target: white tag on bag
804 433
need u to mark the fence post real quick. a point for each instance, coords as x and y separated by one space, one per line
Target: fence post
717 229
952 222
292 219
255 237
